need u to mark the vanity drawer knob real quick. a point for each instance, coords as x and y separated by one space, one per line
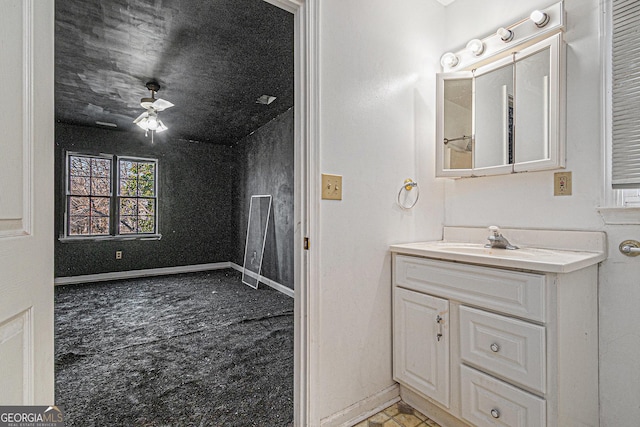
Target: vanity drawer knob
495 413
495 348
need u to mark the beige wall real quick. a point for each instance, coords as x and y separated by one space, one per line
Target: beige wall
378 61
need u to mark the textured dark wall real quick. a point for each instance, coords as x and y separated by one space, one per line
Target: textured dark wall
195 203
266 166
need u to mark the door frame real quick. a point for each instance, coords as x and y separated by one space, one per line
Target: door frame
306 201
306 186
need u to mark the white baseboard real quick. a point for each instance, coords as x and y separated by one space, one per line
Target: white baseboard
132 274
363 409
275 285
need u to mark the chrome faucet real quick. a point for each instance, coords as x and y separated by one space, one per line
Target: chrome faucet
497 240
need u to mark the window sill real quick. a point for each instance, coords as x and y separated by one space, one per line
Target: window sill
620 215
85 239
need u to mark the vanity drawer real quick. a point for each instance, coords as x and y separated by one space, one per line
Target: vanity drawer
511 292
487 401
510 348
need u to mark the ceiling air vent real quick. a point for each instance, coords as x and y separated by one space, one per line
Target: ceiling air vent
265 99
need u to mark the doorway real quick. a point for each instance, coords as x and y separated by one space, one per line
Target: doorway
301 185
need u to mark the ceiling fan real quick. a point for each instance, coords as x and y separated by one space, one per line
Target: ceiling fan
149 120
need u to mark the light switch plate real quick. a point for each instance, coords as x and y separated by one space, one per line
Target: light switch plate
331 187
562 184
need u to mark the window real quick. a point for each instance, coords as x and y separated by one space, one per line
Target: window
625 94
103 202
89 196
136 196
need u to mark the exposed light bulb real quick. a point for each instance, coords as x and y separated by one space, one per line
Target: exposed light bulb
504 34
476 47
539 18
152 123
449 60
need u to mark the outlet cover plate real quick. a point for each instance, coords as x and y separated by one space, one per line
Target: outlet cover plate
331 187
562 184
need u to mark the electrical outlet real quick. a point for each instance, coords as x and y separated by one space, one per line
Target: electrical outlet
562 184
118 254
331 187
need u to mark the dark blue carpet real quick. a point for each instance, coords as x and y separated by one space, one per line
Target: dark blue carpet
198 349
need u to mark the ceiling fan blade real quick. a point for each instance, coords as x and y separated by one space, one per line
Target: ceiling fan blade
160 104
161 127
141 116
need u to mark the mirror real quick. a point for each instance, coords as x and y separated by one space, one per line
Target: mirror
532 86
503 117
458 130
493 106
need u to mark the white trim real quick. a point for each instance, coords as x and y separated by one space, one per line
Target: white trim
620 215
271 283
363 409
306 206
609 196
116 275
164 271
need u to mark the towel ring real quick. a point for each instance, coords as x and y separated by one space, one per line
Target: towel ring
408 185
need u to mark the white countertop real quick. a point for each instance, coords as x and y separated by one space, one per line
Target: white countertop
588 249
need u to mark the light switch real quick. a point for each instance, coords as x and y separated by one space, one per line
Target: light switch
331 187
562 184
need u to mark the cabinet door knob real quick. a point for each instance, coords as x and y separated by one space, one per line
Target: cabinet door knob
495 413
495 347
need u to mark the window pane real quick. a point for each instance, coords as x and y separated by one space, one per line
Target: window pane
146 224
101 167
100 206
128 225
80 186
100 225
127 169
146 169
129 187
128 207
145 186
79 166
78 225
100 186
146 207
79 206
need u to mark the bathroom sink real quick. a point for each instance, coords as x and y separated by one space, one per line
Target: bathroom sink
481 250
528 258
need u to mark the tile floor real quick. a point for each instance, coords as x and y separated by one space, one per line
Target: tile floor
398 415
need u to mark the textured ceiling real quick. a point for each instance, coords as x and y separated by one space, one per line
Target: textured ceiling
212 58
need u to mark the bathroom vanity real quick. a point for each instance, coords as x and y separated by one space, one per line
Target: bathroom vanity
487 337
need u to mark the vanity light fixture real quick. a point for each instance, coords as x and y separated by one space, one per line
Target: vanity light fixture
539 18
505 35
476 47
449 60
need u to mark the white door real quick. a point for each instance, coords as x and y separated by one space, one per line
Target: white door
421 343
26 202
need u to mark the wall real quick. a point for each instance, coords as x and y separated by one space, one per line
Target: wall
196 217
377 114
526 200
265 166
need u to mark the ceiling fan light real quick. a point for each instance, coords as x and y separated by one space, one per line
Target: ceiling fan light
161 127
152 123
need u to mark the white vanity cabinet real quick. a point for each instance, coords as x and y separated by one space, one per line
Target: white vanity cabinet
485 346
422 357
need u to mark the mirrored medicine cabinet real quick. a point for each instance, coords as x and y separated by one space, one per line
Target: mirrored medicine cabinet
504 115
